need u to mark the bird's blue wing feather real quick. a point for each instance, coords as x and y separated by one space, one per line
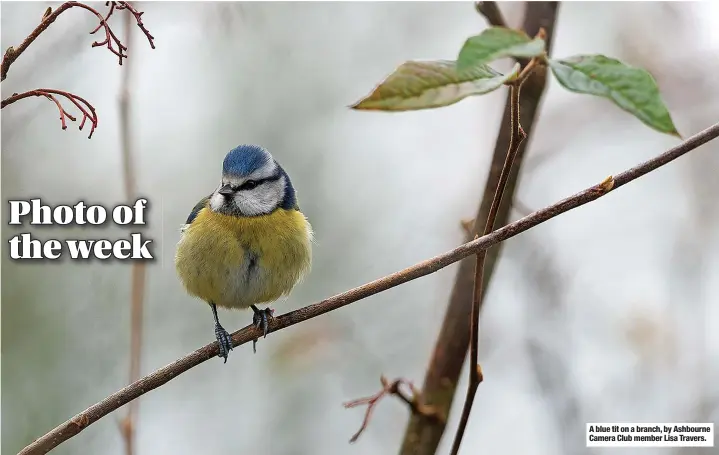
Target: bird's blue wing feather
196 209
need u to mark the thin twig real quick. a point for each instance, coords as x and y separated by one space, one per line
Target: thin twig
392 388
128 425
138 20
87 109
422 436
75 425
516 138
12 53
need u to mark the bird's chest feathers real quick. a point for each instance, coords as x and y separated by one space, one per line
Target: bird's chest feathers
235 262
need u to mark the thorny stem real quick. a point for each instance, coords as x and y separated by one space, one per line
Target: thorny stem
392 388
517 136
76 424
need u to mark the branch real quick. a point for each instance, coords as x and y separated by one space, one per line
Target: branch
515 140
75 425
87 109
137 15
138 277
392 388
422 436
491 12
118 49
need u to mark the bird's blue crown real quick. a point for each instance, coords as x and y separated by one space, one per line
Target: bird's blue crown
245 159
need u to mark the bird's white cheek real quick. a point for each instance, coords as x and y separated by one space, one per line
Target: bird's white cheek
257 202
216 201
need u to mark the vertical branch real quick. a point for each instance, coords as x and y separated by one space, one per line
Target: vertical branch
128 424
422 436
517 136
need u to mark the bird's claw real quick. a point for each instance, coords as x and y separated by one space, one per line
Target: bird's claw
261 320
224 340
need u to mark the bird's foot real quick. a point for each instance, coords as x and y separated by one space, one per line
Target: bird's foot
261 320
224 340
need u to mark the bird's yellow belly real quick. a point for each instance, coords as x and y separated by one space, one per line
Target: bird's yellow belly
236 262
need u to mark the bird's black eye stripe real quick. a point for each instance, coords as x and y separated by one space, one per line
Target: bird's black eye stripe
249 184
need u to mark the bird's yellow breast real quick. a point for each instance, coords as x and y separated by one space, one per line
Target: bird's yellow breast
235 262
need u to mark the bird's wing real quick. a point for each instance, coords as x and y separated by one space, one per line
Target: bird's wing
195 210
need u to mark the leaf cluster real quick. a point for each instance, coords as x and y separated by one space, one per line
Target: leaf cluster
431 84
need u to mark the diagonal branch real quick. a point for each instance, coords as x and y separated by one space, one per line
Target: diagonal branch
76 424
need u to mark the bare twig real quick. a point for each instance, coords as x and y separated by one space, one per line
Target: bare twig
137 285
137 15
423 436
87 109
413 401
75 425
517 136
111 41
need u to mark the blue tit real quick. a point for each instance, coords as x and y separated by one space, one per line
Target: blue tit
246 243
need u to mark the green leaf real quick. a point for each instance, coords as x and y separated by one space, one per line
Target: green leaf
632 89
429 84
495 43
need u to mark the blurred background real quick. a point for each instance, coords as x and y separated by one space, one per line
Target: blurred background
607 313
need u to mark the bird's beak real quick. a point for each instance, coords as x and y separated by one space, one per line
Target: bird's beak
225 190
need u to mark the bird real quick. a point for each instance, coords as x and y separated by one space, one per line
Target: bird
247 243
